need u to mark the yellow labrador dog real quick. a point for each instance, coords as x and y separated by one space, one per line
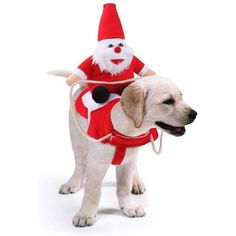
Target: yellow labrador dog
149 102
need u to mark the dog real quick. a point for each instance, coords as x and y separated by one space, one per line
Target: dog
149 102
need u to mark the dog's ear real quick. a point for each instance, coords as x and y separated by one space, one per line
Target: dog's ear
132 103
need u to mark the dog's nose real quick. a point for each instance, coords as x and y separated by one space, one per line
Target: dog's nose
192 115
117 49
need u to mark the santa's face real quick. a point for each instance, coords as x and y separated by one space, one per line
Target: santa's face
113 55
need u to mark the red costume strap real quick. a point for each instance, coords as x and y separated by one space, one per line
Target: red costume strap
119 155
127 141
122 142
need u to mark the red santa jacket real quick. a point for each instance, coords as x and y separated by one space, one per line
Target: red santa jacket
100 125
89 70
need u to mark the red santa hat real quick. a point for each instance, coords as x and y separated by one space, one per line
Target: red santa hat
110 26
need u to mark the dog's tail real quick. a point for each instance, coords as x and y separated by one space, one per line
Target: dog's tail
61 73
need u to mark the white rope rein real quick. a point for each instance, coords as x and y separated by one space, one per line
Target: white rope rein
74 114
157 152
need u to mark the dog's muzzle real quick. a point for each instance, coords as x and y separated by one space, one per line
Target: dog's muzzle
176 131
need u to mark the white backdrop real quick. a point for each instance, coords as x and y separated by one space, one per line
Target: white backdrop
190 187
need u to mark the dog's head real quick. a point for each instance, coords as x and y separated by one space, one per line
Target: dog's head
155 101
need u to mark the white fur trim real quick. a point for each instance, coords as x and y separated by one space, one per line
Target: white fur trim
92 105
143 71
112 41
80 73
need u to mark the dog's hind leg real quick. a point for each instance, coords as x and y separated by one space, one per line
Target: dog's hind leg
138 186
77 178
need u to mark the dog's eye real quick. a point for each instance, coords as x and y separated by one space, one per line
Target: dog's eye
110 45
169 101
121 44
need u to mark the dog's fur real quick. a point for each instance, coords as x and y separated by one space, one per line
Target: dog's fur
142 107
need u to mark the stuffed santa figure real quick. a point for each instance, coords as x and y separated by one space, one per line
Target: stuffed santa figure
113 60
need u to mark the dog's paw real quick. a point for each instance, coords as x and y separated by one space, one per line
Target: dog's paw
134 212
83 221
67 189
138 188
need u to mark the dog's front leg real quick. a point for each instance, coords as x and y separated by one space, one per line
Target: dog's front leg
98 161
124 174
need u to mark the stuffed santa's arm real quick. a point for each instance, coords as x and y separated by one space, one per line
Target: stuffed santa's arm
81 72
140 68
72 79
149 72
100 94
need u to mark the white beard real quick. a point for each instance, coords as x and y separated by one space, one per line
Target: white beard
103 56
